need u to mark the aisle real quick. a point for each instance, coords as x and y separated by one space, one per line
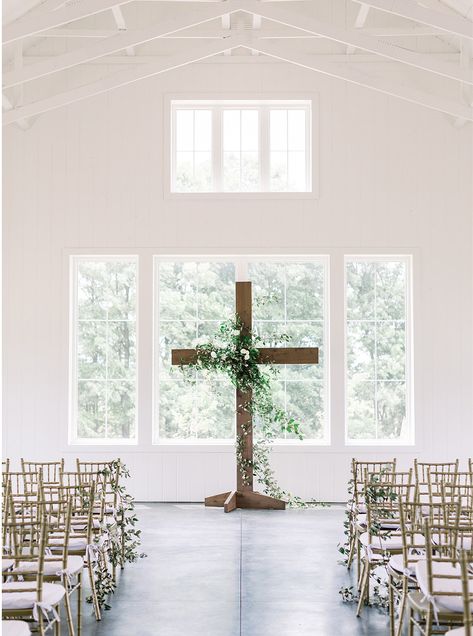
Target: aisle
248 573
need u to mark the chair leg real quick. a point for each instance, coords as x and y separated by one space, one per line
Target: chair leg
365 580
123 540
67 603
79 603
95 600
40 624
392 612
402 606
57 624
410 627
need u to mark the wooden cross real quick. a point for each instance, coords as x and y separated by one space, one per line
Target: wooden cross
244 496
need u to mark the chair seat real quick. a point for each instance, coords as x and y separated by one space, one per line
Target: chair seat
396 562
385 525
453 604
15 628
11 600
385 543
458 631
74 565
7 564
75 543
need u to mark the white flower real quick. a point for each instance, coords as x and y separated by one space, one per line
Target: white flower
245 353
213 354
236 332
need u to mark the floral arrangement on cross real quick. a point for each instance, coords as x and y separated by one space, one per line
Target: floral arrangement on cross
239 352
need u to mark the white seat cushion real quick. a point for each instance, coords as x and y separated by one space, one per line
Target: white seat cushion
15 628
443 603
459 631
386 543
52 595
75 543
51 568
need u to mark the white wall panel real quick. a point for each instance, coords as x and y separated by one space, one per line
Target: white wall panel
88 178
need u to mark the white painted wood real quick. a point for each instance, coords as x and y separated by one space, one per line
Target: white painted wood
112 45
32 25
359 23
378 83
115 80
414 11
358 40
394 178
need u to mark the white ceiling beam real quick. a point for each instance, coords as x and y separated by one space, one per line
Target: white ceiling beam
37 23
358 40
123 78
118 42
359 23
8 106
121 26
412 11
385 32
350 74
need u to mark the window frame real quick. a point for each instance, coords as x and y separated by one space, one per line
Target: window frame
308 102
73 438
241 267
410 440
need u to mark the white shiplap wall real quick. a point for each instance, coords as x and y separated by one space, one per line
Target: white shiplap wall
393 177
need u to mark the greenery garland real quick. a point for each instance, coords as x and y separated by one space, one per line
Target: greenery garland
234 352
124 538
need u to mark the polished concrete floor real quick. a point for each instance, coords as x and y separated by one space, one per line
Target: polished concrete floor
248 573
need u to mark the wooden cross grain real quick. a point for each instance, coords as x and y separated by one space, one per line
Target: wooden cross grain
244 496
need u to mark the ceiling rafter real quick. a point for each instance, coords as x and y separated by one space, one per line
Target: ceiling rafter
206 50
122 78
127 39
358 40
410 10
118 42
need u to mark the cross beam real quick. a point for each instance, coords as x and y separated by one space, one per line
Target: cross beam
244 496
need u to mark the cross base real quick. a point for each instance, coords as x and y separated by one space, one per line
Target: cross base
244 499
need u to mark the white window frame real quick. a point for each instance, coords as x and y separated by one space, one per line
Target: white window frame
241 273
217 105
73 438
409 372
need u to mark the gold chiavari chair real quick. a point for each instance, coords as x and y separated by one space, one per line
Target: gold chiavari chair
382 536
27 596
107 477
24 486
356 506
428 477
401 567
50 471
467 593
84 541
439 599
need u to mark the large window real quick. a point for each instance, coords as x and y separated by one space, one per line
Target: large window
234 146
103 379
193 297
378 369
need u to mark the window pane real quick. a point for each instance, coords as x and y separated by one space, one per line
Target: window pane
296 130
376 348
231 130
203 130
233 146
204 294
104 332
290 298
278 130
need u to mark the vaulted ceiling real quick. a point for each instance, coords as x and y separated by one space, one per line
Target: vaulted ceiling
425 47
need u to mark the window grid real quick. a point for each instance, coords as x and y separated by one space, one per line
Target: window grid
407 363
75 375
264 150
